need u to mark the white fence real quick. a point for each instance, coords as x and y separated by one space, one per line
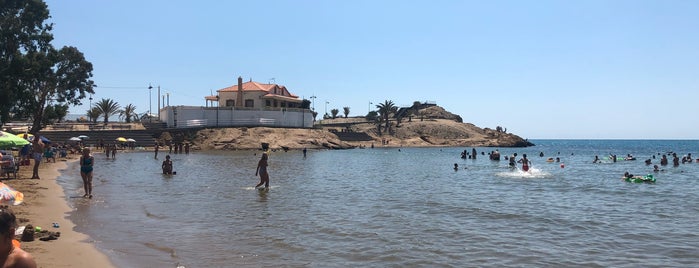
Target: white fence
198 117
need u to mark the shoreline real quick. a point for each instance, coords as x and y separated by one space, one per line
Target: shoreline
45 203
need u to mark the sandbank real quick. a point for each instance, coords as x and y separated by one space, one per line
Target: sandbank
45 203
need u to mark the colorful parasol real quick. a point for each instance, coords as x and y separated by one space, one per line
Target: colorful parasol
10 195
8 140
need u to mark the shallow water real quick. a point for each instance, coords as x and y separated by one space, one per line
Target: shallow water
394 208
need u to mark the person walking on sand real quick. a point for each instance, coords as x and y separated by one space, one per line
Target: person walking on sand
525 162
87 161
262 170
38 151
11 254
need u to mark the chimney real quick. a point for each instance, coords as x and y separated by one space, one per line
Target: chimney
239 94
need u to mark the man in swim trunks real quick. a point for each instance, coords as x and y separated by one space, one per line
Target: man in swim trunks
525 162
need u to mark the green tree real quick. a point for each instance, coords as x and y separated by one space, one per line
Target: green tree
346 111
334 113
371 116
93 114
107 108
33 72
305 104
385 110
128 112
21 30
55 113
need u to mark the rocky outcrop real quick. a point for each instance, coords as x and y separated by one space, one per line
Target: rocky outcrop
433 127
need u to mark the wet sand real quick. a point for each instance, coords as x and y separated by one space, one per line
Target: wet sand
44 204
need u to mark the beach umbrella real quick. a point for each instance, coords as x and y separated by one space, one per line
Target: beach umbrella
130 140
84 137
9 195
43 139
121 139
25 136
8 140
75 139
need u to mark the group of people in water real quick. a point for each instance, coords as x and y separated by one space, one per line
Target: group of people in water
495 155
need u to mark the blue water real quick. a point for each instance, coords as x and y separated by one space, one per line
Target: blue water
395 207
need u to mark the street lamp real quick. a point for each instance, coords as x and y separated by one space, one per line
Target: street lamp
150 102
90 111
314 101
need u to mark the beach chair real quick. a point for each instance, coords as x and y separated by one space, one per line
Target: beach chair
9 166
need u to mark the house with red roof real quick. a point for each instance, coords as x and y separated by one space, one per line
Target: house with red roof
255 95
249 104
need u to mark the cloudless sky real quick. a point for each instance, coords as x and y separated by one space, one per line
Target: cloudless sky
541 69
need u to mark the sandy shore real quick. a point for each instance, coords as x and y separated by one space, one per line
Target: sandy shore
44 204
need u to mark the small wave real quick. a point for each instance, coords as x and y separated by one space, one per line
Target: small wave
533 173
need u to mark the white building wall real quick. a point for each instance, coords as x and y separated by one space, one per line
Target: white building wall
195 116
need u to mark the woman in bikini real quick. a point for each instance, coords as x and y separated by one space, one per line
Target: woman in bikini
262 170
86 163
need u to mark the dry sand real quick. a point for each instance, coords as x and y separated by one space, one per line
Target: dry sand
45 203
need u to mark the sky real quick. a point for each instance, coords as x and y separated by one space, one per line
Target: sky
542 69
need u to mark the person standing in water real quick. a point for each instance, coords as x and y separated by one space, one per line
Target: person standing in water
525 162
167 165
262 170
87 161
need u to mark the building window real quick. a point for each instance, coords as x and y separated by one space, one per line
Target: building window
275 103
249 103
268 103
230 103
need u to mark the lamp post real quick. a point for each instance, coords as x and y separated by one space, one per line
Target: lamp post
370 103
314 101
217 105
150 102
90 111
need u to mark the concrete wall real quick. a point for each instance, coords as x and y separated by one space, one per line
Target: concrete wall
196 116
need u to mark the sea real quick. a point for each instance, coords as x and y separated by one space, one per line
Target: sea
395 207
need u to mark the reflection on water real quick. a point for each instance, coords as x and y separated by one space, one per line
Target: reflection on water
385 207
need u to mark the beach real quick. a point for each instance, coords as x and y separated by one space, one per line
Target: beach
44 204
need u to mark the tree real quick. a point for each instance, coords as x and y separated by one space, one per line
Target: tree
93 114
385 110
305 104
107 108
128 112
55 113
21 30
371 116
334 113
32 71
346 111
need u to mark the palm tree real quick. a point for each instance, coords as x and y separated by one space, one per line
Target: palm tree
107 107
334 113
346 111
385 110
128 112
93 114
